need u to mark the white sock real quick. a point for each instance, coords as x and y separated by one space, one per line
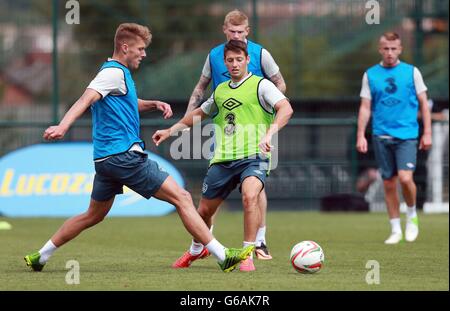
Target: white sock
247 244
395 225
217 249
411 212
196 248
46 251
261 236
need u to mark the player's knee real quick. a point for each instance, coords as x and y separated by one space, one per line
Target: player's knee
99 218
207 209
390 184
405 179
205 212
250 199
184 198
93 219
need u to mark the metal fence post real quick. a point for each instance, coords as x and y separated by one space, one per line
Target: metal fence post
55 91
255 19
354 156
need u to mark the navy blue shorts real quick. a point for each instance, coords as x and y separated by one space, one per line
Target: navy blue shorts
222 178
132 169
394 154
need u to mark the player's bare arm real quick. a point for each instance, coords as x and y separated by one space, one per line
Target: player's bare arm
425 140
197 94
284 113
56 132
363 120
152 105
278 80
186 122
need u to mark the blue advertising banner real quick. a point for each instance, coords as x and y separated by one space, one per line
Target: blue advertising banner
55 180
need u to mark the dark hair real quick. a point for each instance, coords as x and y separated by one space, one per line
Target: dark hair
235 46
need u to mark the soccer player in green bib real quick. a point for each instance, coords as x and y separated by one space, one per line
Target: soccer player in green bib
236 27
246 112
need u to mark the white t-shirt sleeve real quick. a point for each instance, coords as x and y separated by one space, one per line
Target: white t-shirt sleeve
268 64
269 95
206 71
365 89
109 81
418 82
209 107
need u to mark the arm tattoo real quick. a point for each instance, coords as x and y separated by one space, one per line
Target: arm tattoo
197 94
278 80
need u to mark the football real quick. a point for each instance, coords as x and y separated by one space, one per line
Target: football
307 257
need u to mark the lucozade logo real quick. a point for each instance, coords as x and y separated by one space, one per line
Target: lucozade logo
57 179
45 184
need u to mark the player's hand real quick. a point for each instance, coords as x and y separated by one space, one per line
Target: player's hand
54 132
425 142
165 108
265 146
361 144
160 136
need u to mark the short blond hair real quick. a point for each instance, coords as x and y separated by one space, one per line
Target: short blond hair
236 18
391 36
130 31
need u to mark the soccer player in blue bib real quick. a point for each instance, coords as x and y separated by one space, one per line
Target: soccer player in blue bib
391 95
119 152
262 64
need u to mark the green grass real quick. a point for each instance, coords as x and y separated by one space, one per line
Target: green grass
136 254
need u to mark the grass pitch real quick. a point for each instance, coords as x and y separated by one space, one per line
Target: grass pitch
136 254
